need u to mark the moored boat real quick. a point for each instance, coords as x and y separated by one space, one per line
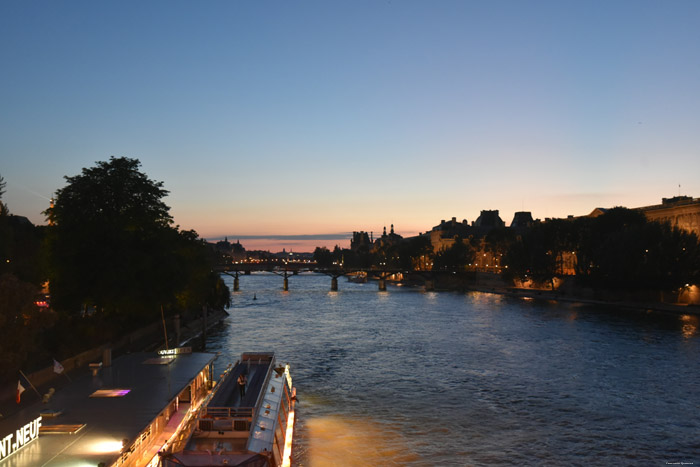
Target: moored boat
252 427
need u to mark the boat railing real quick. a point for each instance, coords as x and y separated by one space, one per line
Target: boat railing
270 368
273 423
228 412
226 419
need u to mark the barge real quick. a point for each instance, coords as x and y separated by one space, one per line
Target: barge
252 428
120 414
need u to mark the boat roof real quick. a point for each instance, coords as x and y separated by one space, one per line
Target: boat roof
141 385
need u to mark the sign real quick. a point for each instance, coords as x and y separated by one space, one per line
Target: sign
20 438
175 351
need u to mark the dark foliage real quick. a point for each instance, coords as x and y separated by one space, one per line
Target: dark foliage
113 250
619 249
454 258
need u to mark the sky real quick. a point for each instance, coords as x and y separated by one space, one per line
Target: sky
290 124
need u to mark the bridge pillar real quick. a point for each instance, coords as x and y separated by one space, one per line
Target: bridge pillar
429 285
235 284
382 285
285 285
334 284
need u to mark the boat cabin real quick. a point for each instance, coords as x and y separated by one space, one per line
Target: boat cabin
251 427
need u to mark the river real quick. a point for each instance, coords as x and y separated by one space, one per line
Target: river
405 377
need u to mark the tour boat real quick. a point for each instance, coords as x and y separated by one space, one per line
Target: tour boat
253 427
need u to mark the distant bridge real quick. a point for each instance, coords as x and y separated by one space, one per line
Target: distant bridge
287 268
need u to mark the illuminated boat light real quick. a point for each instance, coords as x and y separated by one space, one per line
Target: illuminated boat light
105 446
110 393
287 455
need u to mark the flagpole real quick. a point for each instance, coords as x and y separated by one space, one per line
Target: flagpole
30 383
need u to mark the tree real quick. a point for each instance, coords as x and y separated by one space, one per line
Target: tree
538 252
20 245
20 324
454 258
619 249
4 230
415 252
113 250
3 208
623 249
323 256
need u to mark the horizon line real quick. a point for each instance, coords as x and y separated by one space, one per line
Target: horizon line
287 237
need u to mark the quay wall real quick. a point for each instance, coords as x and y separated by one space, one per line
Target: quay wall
686 301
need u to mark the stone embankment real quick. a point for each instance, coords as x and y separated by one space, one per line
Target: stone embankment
544 294
567 292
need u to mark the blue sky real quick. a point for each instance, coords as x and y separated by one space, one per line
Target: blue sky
307 118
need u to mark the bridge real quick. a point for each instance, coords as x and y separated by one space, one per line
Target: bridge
288 268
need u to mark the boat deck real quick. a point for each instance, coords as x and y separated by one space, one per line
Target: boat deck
228 394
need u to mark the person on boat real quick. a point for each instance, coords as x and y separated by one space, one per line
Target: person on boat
242 381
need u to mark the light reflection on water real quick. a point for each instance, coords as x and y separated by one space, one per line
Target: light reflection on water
441 378
690 325
337 440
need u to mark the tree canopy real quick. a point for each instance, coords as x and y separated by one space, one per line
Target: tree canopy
454 258
113 248
619 249
3 208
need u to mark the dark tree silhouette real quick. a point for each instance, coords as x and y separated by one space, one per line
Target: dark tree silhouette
454 258
619 249
113 248
323 257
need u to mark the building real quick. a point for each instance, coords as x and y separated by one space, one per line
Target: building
361 241
487 221
680 211
443 235
522 220
387 240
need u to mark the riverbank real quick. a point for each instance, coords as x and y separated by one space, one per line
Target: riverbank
567 291
542 294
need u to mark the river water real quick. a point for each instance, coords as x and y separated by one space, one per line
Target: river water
405 377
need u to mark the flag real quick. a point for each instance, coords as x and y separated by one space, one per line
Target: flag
57 367
20 389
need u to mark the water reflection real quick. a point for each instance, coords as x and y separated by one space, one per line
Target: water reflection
690 325
336 440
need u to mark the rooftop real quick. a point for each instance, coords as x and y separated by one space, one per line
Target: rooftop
146 384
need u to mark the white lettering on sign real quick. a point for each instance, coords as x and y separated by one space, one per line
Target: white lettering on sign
175 351
20 438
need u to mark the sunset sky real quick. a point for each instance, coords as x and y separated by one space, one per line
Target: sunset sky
275 121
